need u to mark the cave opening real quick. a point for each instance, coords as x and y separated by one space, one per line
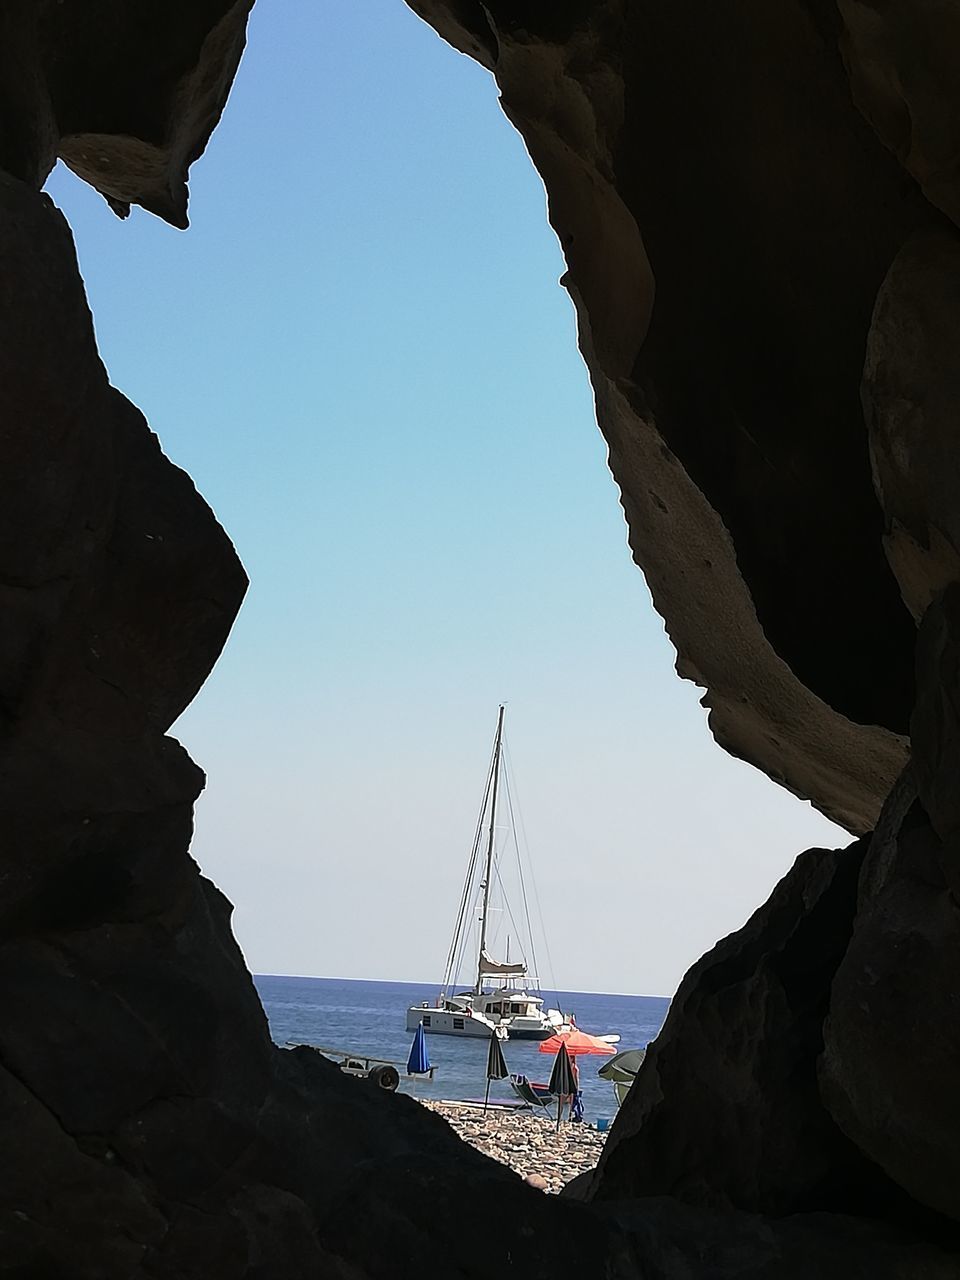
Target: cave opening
364 361
360 354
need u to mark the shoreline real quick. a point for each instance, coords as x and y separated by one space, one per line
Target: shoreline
526 1142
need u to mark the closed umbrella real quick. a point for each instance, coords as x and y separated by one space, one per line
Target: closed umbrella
496 1066
562 1082
418 1064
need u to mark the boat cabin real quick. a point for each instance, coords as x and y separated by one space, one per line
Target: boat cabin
507 1004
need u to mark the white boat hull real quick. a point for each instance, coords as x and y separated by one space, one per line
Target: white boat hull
443 1022
531 1033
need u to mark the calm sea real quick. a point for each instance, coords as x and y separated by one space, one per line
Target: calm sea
370 1017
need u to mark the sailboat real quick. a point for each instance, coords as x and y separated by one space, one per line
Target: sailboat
499 1002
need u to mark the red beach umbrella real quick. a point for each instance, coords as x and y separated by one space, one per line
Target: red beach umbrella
576 1042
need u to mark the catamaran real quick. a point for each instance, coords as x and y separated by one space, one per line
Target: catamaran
499 1001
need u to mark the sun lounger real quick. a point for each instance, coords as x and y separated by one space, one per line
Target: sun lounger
538 1096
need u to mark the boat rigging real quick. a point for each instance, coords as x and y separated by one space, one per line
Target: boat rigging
499 1002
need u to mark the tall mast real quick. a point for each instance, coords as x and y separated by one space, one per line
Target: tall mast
486 880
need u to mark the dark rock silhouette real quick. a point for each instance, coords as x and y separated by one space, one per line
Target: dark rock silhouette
726 1111
892 1091
711 192
127 95
754 202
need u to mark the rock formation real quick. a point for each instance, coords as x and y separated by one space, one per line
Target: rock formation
757 204
710 181
757 209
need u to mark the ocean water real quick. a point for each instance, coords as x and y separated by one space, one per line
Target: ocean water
370 1018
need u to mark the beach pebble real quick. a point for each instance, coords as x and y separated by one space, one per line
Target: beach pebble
526 1142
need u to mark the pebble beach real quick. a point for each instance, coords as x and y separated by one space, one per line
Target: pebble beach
526 1142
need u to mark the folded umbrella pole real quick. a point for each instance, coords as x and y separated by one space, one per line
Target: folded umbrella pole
418 1064
562 1082
496 1066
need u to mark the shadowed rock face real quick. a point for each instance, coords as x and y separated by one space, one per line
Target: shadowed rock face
150 1128
739 238
755 205
127 95
894 1093
892 1039
726 1111
910 391
711 157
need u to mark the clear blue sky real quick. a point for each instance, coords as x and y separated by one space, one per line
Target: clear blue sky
361 354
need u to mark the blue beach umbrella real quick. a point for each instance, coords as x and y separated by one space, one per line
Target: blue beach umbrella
418 1064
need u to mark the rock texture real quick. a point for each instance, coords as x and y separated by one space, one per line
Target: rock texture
668 1241
727 217
910 392
754 202
726 1111
149 1126
893 1037
127 95
758 208
902 60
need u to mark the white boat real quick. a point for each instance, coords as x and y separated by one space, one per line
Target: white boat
453 1016
508 1011
499 1000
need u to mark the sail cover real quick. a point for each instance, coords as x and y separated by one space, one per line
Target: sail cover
496 968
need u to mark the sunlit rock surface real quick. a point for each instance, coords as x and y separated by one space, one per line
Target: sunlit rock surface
753 202
728 217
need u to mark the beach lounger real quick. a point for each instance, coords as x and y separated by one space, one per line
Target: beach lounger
536 1096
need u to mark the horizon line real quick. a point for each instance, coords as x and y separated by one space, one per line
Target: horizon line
404 982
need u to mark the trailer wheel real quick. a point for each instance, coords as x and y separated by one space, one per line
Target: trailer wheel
385 1077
